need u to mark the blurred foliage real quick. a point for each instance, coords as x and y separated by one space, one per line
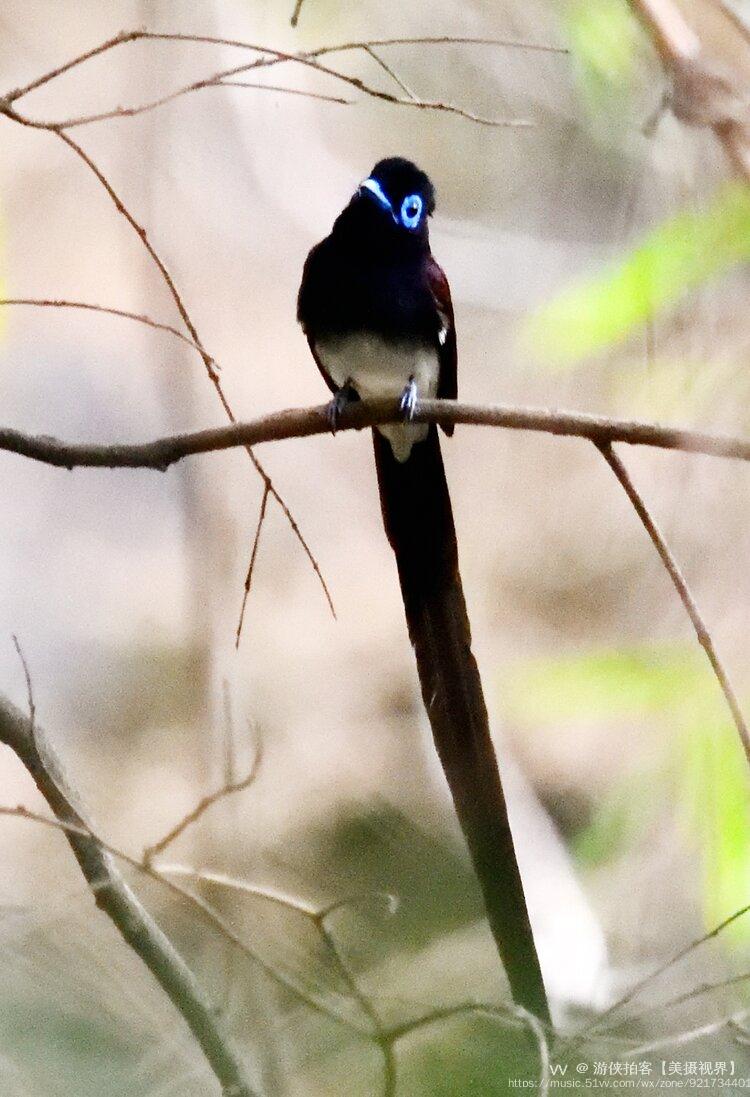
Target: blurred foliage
703 773
602 37
382 851
716 809
677 256
600 684
466 1055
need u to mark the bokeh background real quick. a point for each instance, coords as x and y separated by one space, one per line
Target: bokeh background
627 793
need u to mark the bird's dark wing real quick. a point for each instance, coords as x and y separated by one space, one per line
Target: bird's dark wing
448 351
308 303
323 372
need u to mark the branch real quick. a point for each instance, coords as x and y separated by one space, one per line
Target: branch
680 584
201 907
273 56
688 996
40 302
304 422
501 1013
704 94
679 1039
119 903
600 1023
295 14
251 566
200 808
208 360
310 59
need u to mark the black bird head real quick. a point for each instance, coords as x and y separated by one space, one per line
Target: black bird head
392 205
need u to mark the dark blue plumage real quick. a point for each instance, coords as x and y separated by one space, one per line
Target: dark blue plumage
377 312
375 305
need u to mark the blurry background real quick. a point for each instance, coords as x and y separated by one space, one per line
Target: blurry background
124 588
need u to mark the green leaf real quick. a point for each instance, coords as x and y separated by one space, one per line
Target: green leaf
680 254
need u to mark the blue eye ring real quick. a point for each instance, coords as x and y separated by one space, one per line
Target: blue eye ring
411 211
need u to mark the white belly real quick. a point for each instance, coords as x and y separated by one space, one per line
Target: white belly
376 368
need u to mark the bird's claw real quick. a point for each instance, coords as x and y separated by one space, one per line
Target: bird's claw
341 400
408 402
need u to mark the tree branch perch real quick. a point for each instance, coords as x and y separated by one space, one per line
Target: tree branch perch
160 453
113 896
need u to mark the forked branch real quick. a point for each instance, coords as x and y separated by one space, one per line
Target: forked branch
113 896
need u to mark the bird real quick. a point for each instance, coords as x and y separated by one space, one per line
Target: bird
376 309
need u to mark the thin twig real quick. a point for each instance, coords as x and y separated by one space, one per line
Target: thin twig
29 687
117 40
251 565
385 1038
286 91
682 588
204 909
115 899
445 40
277 56
295 14
501 1013
40 302
310 59
208 361
387 68
703 94
641 984
305 422
679 1039
195 813
688 996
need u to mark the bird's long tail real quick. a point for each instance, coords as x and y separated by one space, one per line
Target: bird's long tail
419 523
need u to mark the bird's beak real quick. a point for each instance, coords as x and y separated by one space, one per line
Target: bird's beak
372 189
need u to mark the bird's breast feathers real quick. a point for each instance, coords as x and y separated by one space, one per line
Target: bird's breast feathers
377 367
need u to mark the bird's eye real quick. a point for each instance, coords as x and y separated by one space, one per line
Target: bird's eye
411 211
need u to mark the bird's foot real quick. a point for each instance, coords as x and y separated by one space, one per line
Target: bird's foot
345 396
408 402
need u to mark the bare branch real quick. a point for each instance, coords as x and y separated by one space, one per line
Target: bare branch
251 565
686 597
276 56
118 902
288 91
269 57
40 302
304 422
200 808
679 1039
204 909
117 40
627 998
502 1013
208 361
444 40
688 996
295 14
387 68
29 687
703 94
384 1037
